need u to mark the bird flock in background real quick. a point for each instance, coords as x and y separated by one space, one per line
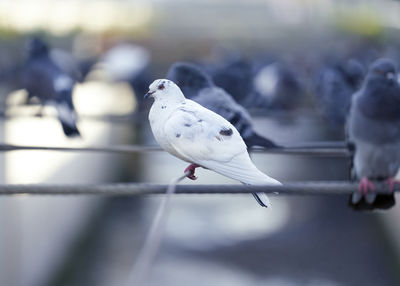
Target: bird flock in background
202 111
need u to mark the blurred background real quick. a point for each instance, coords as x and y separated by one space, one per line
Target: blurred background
291 56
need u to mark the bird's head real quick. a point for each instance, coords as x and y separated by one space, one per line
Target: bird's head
36 47
354 72
189 77
164 89
384 71
380 96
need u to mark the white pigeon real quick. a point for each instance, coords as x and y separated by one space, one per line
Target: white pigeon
201 137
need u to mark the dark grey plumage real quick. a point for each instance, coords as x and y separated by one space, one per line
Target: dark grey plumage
198 86
374 129
235 76
335 85
44 79
190 78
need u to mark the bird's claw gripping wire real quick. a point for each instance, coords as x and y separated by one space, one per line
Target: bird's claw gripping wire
365 186
191 168
391 182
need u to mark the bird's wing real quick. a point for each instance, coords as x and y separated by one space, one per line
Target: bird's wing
201 135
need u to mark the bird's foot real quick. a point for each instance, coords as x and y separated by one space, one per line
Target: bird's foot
391 182
191 168
365 186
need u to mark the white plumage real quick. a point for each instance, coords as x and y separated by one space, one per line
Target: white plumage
197 135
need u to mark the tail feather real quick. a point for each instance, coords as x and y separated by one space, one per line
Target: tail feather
241 168
242 171
257 140
67 118
70 130
262 199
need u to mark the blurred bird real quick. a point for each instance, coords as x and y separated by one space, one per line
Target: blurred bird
277 86
201 137
273 86
44 79
374 129
334 87
235 76
11 76
199 87
77 70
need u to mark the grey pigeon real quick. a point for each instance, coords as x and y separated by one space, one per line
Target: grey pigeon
44 79
335 85
374 129
199 87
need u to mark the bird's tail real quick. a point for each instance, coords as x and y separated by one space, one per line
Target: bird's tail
241 168
371 201
262 198
69 130
256 140
67 117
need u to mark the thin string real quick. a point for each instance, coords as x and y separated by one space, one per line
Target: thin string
154 237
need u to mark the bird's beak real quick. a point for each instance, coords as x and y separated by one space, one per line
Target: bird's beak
148 94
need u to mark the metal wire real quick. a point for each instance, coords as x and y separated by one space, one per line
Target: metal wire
140 115
325 149
131 189
110 149
128 118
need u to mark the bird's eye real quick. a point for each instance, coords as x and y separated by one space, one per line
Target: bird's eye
161 86
379 71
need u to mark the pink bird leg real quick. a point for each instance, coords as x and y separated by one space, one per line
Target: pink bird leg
191 168
365 186
392 182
